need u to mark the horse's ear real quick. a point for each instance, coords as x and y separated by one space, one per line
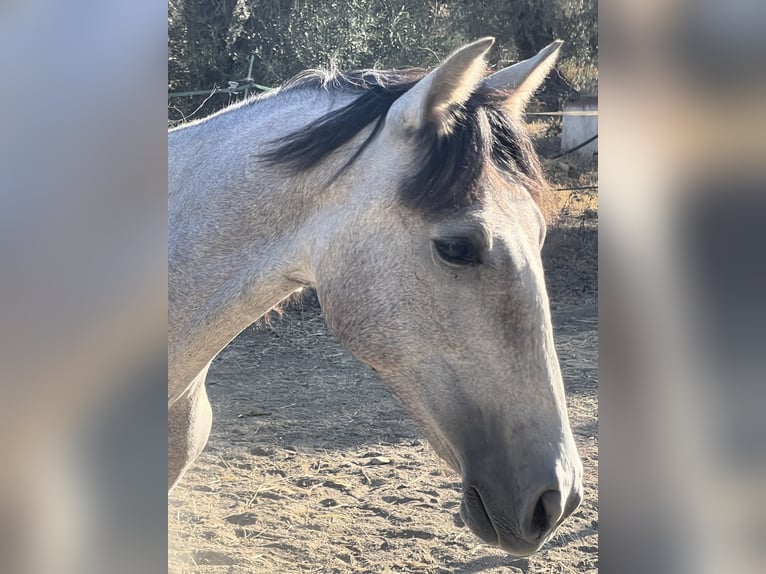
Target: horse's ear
430 104
521 80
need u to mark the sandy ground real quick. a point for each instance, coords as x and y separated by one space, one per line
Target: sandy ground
312 466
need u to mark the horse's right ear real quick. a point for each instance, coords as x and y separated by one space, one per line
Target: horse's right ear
430 104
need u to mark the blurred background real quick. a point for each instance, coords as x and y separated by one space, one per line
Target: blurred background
682 279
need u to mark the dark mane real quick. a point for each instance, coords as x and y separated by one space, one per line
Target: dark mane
450 167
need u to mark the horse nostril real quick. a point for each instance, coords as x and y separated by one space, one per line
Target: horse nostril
546 514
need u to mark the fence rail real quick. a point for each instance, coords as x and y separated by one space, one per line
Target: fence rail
239 88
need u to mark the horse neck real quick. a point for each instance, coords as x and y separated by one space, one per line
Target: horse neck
239 233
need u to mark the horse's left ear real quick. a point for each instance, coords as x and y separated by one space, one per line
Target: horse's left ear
521 80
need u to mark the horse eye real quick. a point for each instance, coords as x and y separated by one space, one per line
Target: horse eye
457 252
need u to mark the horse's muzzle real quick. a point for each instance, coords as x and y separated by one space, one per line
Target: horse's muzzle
522 528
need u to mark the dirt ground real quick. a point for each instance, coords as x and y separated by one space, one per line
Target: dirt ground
312 466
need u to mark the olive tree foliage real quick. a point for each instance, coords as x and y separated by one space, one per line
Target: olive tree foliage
211 41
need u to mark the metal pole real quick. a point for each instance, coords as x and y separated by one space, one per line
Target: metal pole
249 75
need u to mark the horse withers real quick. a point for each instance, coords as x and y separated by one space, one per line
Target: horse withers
415 205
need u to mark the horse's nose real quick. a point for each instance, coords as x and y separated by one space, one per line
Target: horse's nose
546 512
543 515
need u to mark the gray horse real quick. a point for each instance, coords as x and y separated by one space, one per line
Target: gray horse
415 205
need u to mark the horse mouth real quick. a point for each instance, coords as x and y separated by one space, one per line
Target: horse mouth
475 515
